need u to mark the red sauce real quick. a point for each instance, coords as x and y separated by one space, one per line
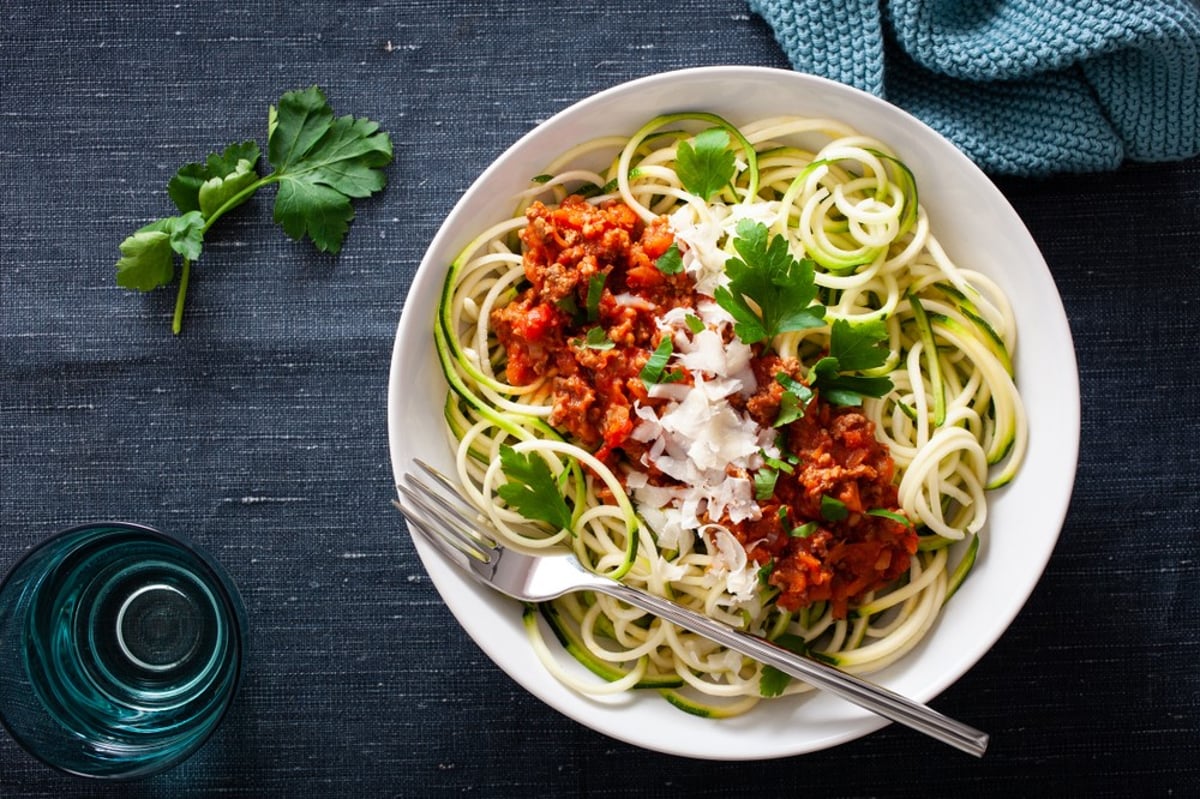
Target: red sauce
566 248
838 456
543 332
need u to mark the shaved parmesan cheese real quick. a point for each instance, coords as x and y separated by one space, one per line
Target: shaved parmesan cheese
665 525
698 438
671 391
628 300
734 495
727 660
713 433
724 364
699 230
702 257
694 435
726 551
706 353
730 564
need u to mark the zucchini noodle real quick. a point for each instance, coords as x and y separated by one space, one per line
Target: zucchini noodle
952 420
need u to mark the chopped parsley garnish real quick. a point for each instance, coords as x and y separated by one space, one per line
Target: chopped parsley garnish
764 572
708 165
671 261
776 463
833 509
596 339
804 530
531 489
571 308
764 483
899 518
769 291
694 323
655 369
772 681
594 293
319 162
794 401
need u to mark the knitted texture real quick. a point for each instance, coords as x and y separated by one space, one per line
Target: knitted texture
1023 87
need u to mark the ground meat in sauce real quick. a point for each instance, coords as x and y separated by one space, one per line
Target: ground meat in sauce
543 330
594 390
837 456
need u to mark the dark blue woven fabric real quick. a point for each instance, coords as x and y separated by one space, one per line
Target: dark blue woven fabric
1024 87
261 432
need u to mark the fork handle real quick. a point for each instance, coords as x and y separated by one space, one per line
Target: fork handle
861 692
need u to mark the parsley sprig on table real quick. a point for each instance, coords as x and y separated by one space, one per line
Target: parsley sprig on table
319 162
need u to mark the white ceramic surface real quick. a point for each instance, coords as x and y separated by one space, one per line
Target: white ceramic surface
978 229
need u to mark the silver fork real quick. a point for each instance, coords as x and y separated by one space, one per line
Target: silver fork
433 510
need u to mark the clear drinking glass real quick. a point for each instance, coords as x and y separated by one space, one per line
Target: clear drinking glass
120 650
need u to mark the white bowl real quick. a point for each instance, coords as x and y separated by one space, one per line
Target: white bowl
977 227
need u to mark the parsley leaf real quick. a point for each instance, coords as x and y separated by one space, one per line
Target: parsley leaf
852 347
147 260
764 572
652 372
148 256
776 463
531 490
772 681
319 162
571 308
596 339
898 518
707 166
595 291
671 261
764 483
221 178
833 509
694 323
769 291
858 345
804 530
794 402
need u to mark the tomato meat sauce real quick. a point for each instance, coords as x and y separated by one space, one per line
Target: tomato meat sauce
591 271
586 323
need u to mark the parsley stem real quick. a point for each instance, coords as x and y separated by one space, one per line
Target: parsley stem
238 199
186 267
184 272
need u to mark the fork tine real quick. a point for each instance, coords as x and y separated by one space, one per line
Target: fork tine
473 525
437 541
451 526
476 522
445 481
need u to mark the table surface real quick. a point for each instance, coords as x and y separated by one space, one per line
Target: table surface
261 432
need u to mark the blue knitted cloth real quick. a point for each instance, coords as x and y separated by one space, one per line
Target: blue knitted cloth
1023 87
